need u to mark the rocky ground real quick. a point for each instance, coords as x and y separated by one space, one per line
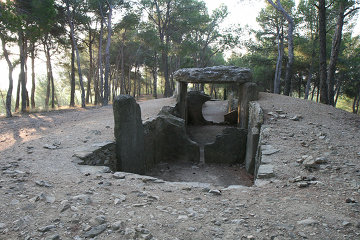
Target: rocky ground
314 195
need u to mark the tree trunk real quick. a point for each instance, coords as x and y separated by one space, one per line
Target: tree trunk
17 101
11 68
335 49
279 64
107 57
32 75
48 87
155 75
322 39
22 71
72 80
311 69
289 65
77 55
100 55
90 74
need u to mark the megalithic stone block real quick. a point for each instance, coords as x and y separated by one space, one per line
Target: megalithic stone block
129 135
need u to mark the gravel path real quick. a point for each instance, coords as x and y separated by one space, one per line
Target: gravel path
44 195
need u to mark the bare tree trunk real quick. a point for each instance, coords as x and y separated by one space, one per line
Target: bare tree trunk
17 101
289 65
72 80
77 55
129 80
32 75
90 74
322 39
311 69
11 68
279 63
107 57
335 49
100 54
22 79
155 75
48 87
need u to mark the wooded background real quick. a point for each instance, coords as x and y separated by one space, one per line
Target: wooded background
109 47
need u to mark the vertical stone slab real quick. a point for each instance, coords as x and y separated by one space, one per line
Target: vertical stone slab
256 119
247 93
129 134
182 101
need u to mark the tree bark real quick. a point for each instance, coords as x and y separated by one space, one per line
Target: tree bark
279 63
100 54
155 75
107 57
32 75
322 57
90 74
77 55
11 82
72 74
22 71
335 49
289 65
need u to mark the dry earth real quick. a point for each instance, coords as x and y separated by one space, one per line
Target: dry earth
44 195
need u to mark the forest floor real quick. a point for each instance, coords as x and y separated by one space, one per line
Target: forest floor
45 195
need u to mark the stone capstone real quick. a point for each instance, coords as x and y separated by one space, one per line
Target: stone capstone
229 147
129 135
216 74
195 101
166 141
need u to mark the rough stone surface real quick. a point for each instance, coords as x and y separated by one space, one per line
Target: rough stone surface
251 148
231 117
129 134
248 92
166 141
98 154
217 74
265 171
195 101
256 119
229 147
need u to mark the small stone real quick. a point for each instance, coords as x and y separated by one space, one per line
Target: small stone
95 231
118 175
320 160
307 222
346 223
350 200
46 228
192 229
215 192
250 237
183 217
53 237
2 225
14 202
101 219
118 225
82 197
43 183
296 118
303 184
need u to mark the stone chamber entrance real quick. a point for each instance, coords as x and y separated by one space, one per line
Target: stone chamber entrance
199 140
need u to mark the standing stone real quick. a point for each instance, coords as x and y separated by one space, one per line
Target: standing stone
195 102
248 92
129 134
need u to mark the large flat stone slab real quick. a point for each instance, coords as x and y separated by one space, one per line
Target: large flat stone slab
216 74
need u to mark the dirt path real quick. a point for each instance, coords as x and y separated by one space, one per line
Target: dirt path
44 195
